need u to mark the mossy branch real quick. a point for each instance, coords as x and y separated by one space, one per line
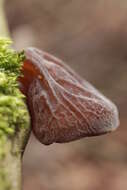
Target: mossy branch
14 116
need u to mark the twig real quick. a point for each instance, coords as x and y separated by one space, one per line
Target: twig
11 146
3 22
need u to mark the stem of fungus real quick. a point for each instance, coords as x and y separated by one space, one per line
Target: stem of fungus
11 145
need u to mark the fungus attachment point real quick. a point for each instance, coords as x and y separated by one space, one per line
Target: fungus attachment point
63 106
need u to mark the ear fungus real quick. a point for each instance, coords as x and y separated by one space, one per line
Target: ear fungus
63 106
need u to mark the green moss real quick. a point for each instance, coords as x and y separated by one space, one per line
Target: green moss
10 60
14 117
13 112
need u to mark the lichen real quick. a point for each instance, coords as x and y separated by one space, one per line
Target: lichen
13 110
3 184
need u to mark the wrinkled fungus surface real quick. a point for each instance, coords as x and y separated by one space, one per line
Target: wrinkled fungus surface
63 106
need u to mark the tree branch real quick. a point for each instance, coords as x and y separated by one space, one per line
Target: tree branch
14 118
3 22
10 168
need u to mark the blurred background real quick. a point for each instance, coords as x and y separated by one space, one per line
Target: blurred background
90 36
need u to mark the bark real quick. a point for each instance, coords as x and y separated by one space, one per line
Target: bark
10 168
4 32
11 149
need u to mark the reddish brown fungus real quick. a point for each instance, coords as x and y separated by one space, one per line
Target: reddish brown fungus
63 106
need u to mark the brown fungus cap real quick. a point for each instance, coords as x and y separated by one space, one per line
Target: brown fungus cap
63 106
